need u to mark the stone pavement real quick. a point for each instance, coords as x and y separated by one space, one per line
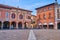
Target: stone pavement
47 34
14 34
30 34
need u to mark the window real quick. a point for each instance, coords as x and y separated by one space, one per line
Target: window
39 17
20 16
44 16
29 17
44 10
32 21
7 14
57 10
49 8
50 16
58 15
13 15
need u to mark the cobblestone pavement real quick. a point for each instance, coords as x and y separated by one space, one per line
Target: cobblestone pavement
47 34
24 34
14 34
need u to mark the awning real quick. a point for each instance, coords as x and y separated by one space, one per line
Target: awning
40 24
51 23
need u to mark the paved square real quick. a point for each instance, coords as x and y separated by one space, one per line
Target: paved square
14 34
30 34
47 34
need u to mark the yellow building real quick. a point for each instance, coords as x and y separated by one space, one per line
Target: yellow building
33 21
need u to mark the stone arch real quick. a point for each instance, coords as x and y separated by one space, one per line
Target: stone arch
45 26
51 25
20 16
6 25
13 25
25 25
0 24
40 26
20 25
58 25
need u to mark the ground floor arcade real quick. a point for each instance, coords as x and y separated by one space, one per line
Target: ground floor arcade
58 24
45 26
14 25
49 26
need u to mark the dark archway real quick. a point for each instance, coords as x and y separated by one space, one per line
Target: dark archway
6 25
51 26
13 25
39 26
20 25
44 26
0 24
25 25
58 25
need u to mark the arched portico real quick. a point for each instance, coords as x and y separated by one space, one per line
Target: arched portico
58 25
6 25
51 25
0 24
45 26
39 26
20 25
13 25
25 25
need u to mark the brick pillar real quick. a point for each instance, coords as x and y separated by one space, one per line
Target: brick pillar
22 25
55 26
2 26
47 26
10 26
32 25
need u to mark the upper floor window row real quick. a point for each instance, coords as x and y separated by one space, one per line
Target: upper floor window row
49 8
50 16
45 9
20 16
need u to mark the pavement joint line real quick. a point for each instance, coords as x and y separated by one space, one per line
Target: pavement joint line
31 35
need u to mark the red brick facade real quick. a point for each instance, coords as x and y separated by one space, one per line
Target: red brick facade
46 17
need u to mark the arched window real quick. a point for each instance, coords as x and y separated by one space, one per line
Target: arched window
13 15
20 16
44 16
7 14
29 17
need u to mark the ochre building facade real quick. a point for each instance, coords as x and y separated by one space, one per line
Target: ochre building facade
47 16
33 21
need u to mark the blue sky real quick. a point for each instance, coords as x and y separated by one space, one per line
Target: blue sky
27 4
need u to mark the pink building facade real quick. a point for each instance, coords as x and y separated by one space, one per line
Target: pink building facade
14 18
